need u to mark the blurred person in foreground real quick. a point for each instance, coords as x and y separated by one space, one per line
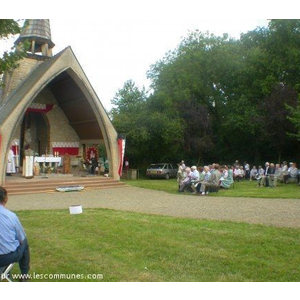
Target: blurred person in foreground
13 242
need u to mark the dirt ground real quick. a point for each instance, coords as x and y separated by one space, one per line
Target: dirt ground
275 212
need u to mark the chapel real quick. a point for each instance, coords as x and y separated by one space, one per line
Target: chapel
47 102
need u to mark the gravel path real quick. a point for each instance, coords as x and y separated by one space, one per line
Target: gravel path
275 212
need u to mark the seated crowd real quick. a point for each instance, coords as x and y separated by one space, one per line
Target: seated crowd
203 180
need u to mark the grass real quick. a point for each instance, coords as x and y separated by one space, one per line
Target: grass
126 246
241 189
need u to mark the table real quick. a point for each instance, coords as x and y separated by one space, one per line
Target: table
48 159
47 164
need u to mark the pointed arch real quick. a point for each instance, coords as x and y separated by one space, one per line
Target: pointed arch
63 66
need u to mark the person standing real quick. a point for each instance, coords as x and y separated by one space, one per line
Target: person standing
28 162
94 162
272 175
187 180
247 170
13 242
126 164
180 174
11 166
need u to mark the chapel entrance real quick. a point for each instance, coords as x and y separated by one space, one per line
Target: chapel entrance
35 132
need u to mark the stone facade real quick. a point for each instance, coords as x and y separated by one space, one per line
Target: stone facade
13 79
56 120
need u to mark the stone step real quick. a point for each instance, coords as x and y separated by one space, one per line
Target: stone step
28 192
49 185
55 185
35 180
46 182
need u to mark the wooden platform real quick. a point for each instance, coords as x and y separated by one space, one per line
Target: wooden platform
21 186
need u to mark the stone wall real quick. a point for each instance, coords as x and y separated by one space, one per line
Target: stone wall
14 78
59 128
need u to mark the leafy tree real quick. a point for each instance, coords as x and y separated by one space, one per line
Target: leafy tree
9 59
275 119
219 98
198 80
150 134
294 117
129 98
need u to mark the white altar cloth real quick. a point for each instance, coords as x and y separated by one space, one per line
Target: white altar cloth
47 159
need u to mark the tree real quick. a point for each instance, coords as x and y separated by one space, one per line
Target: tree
150 134
9 59
275 119
128 99
221 99
235 84
294 117
199 81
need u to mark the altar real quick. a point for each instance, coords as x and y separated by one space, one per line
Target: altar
46 164
48 159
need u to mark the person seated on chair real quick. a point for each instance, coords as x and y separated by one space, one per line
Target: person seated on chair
195 177
291 174
13 242
186 181
213 181
278 173
204 175
241 173
272 179
236 172
226 179
260 175
265 178
253 173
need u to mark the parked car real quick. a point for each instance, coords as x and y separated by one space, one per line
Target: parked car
161 170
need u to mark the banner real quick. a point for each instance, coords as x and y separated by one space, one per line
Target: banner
39 107
72 148
121 146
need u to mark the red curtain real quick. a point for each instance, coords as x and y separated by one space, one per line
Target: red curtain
121 146
63 150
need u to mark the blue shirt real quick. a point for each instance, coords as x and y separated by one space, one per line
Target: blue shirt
11 231
195 175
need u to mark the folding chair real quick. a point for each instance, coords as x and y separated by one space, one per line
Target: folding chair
4 272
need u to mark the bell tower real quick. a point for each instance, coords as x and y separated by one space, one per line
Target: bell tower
38 33
36 36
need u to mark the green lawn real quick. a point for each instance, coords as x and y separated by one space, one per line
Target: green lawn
127 246
240 189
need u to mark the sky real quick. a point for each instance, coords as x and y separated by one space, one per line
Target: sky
114 52
118 41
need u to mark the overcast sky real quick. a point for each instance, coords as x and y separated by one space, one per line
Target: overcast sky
119 40
112 52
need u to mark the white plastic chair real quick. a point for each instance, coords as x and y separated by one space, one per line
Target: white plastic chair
4 271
